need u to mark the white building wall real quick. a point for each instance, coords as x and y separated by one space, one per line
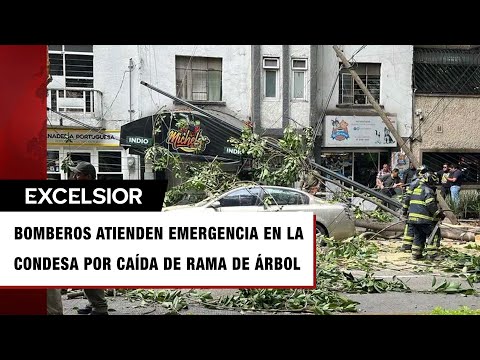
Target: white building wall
155 64
300 109
395 78
271 113
157 67
112 78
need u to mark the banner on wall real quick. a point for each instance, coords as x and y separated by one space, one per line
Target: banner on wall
357 131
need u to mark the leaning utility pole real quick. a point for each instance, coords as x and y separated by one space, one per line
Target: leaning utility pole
449 214
275 146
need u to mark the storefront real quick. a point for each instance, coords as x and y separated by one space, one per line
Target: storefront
193 136
101 148
357 146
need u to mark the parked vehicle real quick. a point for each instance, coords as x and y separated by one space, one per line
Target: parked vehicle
333 219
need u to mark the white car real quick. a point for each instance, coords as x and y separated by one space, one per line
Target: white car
333 219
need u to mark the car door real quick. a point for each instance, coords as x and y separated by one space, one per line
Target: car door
242 200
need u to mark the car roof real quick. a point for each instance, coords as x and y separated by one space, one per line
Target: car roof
269 187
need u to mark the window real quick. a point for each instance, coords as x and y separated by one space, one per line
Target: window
299 71
74 63
242 197
446 71
469 164
53 165
110 165
199 78
270 67
350 92
286 197
71 66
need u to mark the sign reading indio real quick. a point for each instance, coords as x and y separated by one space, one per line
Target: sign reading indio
80 137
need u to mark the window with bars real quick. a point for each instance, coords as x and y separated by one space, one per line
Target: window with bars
110 165
446 71
74 63
469 163
199 78
351 93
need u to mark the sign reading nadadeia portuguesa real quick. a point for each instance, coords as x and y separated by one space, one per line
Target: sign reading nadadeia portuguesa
80 137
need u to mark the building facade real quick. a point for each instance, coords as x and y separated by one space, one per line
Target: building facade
447 106
96 90
305 85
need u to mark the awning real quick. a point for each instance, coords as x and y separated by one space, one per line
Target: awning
187 133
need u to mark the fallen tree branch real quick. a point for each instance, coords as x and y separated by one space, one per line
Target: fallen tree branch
381 206
450 233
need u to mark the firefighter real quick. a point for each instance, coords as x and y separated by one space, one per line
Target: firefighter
408 231
423 213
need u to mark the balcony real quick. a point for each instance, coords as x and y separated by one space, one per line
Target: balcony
79 103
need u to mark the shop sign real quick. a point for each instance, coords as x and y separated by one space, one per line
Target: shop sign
82 137
139 140
357 131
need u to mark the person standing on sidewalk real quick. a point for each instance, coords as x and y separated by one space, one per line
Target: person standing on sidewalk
423 214
443 176
97 304
455 180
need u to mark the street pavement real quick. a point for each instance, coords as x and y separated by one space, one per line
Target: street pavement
389 303
417 275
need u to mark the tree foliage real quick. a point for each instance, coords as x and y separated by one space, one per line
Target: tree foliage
282 164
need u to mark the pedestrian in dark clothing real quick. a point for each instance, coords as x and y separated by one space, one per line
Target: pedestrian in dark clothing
455 180
409 174
390 182
97 304
442 179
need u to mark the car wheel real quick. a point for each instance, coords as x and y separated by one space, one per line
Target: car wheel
320 230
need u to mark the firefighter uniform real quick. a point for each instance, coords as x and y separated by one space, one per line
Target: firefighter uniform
408 231
423 213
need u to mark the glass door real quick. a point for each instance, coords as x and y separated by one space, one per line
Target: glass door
366 168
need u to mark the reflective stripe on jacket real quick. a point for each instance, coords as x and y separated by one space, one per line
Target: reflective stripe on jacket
409 191
422 205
